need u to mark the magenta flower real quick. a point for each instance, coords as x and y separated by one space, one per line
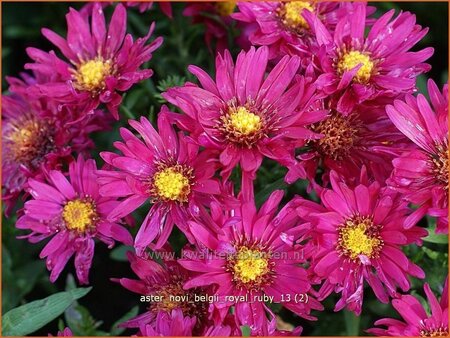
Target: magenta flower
167 170
254 255
172 324
37 136
283 28
358 68
422 173
102 63
365 137
64 333
159 283
358 235
73 213
416 321
245 115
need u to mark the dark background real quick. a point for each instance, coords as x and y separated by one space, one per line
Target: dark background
24 276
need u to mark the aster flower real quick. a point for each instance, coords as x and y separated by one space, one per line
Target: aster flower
360 68
172 324
282 27
422 174
216 16
365 137
64 333
37 136
416 321
167 170
73 214
169 300
255 255
245 115
358 235
102 63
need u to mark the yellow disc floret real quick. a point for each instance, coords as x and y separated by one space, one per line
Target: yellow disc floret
244 121
170 184
351 59
290 13
79 215
91 74
250 265
225 8
359 237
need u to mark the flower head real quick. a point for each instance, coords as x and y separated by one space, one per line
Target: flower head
254 255
282 25
358 234
73 214
165 169
358 68
416 321
101 63
245 115
422 173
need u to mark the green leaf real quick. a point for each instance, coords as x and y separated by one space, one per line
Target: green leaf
30 317
119 253
81 321
351 323
115 330
245 331
432 236
261 197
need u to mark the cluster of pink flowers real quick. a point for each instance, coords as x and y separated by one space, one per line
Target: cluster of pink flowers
323 89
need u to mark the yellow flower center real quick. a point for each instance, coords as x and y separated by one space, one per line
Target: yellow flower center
225 8
91 74
172 184
440 165
359 237
244 121
340 136
28 141
250 265
79 215
290 13
351 59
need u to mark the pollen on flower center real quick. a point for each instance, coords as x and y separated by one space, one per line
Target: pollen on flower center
434 332
225 8
172 183
290 14
79 215
359 236
340 135
91 74
250 266
242 126
440 165
28 141
350 60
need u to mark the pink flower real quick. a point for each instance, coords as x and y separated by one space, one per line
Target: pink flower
216 16
37 136
255 254
358 68
64 333
358 235
365 137
416 321
160 283
422 173
245 115
102 63
282 25
169 324
73 213
165 169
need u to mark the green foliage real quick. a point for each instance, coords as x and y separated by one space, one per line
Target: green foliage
30 317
